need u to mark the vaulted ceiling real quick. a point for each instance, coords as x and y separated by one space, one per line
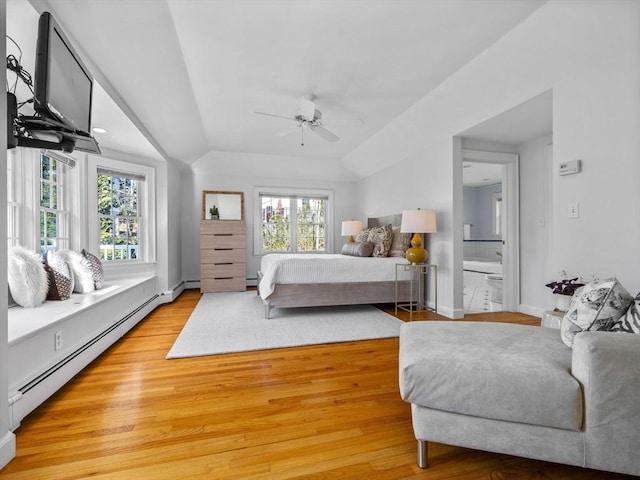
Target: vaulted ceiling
190 74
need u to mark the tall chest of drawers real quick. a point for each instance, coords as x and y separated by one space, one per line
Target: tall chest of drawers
223 266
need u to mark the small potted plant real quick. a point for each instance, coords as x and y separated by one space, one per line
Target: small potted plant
564 290
215 214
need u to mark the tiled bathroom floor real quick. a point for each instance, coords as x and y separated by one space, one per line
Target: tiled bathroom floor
478 300
477 295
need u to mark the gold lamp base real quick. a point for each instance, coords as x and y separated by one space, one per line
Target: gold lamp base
416 254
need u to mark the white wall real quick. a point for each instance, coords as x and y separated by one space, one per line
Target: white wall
588 53
7 438
241 173
536 210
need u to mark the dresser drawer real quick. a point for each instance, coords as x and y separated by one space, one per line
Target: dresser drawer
222 226
223 241
209 285
216 255
223 270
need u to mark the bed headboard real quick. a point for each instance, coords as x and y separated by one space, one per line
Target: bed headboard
395 220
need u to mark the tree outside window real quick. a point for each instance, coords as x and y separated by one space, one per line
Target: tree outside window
304 230
119 217
53 217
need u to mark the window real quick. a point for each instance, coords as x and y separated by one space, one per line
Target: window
293 222
54 217
118 215
122 229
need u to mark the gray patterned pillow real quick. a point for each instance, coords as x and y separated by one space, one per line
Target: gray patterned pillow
630 321
382 238
596 306
95 265
401 241
60 277
363 236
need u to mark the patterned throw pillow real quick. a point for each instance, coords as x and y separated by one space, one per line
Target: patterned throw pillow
400 243
630 321
382 238
28 282
95 265
596 306
60 277
358 249
363 236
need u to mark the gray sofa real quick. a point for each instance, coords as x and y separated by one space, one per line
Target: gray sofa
520 390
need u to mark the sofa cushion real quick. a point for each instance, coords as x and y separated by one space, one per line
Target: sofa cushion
596 306
516 373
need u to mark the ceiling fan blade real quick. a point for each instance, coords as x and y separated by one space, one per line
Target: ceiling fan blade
307 108
277 116
286 132
324 133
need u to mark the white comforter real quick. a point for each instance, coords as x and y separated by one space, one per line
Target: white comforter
282 268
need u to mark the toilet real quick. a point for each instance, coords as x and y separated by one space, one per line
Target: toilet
494 282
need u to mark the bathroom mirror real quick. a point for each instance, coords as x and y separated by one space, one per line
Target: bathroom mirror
229 205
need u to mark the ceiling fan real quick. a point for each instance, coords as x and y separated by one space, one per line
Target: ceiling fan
308 116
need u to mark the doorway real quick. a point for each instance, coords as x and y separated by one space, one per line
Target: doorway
490 231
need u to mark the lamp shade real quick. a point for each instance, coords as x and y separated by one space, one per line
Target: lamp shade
351 227
418 221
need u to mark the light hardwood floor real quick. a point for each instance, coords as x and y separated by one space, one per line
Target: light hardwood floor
321 412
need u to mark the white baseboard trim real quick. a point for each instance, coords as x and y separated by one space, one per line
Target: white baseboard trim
7 448
170 295
190 284
531 310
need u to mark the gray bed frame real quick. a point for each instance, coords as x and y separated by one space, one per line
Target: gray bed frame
345 293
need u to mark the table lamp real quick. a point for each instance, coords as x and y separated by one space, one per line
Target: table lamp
351 228
417 222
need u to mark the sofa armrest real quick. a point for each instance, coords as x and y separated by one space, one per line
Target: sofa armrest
607 364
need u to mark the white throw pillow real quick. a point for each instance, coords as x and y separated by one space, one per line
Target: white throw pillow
27 277
82 276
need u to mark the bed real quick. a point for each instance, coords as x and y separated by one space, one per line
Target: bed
311 280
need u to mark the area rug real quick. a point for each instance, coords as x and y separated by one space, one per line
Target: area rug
234 322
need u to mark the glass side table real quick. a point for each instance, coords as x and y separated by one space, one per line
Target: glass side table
419 276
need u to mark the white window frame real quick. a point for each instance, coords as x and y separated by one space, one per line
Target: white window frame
24 173
146 207
258 192
14 197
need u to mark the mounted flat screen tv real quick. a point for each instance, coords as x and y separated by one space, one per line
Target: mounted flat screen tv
63 86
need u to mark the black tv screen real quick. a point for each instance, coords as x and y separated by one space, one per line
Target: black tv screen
63 85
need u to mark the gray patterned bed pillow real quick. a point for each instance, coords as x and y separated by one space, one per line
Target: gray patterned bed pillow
382 238
596 306
363 236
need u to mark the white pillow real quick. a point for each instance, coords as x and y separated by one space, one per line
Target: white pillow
27 277
82 275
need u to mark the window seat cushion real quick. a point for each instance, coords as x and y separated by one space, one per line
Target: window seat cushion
25 322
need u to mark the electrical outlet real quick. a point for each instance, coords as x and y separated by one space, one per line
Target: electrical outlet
57 340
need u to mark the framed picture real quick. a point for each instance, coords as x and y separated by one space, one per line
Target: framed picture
220 205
